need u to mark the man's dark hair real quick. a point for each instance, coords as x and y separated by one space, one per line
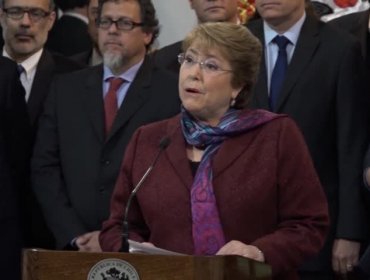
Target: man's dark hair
147 14
66 5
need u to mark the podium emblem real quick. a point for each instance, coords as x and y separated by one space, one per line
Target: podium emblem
113 269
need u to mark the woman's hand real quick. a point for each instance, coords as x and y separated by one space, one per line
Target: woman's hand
148 244
89 242
235 247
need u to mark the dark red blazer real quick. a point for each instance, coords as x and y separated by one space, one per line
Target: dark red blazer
267 192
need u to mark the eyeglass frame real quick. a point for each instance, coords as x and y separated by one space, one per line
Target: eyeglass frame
202 64
29 11
116 23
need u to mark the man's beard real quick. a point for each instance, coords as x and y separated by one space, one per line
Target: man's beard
114 61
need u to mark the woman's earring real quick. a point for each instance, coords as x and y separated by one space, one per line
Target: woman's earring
232 103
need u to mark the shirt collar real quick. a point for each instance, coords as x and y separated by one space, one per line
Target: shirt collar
292 33
128 76
30 63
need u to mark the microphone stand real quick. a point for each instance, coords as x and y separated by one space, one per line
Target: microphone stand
125 232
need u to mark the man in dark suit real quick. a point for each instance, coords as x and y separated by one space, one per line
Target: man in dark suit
14 148
357 24
206 11
323 89
69 35
87 124
25 35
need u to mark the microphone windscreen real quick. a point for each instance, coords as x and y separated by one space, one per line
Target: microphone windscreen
165 141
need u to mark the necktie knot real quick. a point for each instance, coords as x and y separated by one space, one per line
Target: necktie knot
20 69
115 83
281 41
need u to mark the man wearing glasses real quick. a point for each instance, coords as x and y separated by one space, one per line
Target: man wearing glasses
25 25
89 118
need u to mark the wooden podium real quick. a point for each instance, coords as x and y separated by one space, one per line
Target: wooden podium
69 265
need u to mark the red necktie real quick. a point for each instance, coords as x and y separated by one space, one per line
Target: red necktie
110 102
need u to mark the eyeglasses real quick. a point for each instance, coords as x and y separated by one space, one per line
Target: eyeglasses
17 13
121 23
207 65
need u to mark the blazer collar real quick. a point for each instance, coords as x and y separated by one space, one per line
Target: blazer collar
229 152
40 85
176 152
260 98
93 99
361 29
307 44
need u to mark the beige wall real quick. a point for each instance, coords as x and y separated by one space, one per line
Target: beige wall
175 18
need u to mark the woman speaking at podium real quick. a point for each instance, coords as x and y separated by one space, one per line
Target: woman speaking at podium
228 180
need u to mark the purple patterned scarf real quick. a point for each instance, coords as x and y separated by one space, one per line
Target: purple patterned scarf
208 235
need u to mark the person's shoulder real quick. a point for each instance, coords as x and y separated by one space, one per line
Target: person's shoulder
331 34
347 20
65 64
82 58
6 64
160 75
152 135
77 77
254 23
355 24
166 57
8 73
255 26
274 121
164 52
332 41
163 127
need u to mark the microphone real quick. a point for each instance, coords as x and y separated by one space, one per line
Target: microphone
163 144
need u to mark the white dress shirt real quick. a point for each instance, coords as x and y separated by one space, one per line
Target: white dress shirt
29 66
272 50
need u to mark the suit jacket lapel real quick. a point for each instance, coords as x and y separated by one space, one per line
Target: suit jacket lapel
228 153
362 30
40 85
176 152
93 99
136 96
307 44
260 97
